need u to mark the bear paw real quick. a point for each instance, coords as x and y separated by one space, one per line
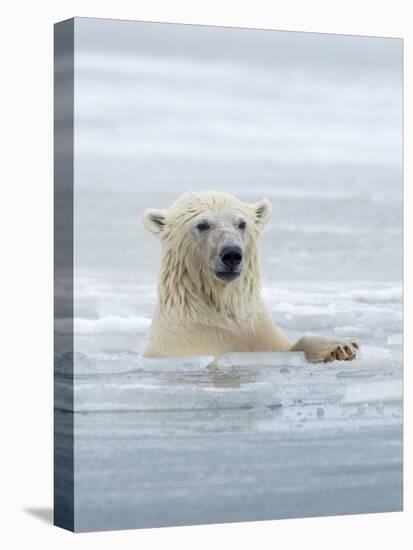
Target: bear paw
345 351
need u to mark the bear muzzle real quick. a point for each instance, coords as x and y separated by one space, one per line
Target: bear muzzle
230 260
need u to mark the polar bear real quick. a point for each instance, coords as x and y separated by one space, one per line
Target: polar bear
209 295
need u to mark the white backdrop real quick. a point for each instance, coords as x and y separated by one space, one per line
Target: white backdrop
26 302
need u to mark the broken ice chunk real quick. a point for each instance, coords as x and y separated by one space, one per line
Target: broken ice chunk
373 392
164 364
261 359
147 394
374 353
124 362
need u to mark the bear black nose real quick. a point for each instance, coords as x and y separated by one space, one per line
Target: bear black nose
231 256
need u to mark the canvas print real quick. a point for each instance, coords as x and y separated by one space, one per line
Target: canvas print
228 274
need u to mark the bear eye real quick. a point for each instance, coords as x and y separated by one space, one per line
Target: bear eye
242 225
203 226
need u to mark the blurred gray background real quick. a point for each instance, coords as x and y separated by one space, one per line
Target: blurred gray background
312 121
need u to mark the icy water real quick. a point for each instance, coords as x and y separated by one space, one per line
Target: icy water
259 436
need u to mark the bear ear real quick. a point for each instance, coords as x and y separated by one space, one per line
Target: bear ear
154 220
262 210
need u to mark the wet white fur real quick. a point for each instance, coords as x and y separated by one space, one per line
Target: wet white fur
198 314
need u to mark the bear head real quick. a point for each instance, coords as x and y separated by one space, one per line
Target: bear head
210 235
